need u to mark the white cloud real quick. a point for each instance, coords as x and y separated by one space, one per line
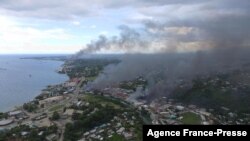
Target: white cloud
40 49
68 9
93 26
14 37
105 33
76 23
182 20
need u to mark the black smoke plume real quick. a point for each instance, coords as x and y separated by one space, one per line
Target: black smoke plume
170 52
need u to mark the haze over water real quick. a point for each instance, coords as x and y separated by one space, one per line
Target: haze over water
23 79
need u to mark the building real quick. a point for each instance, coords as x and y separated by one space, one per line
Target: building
6 122
51 99
15 113
69 112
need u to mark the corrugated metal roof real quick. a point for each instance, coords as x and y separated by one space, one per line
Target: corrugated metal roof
5 122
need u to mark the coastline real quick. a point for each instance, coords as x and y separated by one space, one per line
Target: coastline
64 106
56 59
20 107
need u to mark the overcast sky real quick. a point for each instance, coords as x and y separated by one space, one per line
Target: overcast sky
66 26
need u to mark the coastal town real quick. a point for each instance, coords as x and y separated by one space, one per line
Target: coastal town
124 70
71 111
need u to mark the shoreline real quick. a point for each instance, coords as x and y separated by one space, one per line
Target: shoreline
66 104
20 107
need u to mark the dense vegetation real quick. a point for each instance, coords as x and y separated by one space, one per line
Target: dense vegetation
215 92
133 84
88 67
3 115
55 116
101 110
26 133
82 123
30 107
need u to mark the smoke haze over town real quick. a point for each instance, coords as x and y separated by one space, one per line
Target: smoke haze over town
80 70
211 37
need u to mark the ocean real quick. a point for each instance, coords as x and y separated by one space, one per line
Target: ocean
23 79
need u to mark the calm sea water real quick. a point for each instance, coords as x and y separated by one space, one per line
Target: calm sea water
23 79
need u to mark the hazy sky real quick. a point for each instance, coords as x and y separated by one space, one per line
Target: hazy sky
65 26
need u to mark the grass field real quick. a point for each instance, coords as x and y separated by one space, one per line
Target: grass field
56 107
191 118
104 101
91 78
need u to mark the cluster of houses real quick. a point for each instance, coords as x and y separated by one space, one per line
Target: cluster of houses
13 117
163 111
171 113
229 117
117 93
61 89
117 125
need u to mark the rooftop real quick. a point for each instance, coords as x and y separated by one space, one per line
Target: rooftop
5 122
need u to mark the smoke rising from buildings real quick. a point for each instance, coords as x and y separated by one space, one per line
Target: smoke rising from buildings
168 52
